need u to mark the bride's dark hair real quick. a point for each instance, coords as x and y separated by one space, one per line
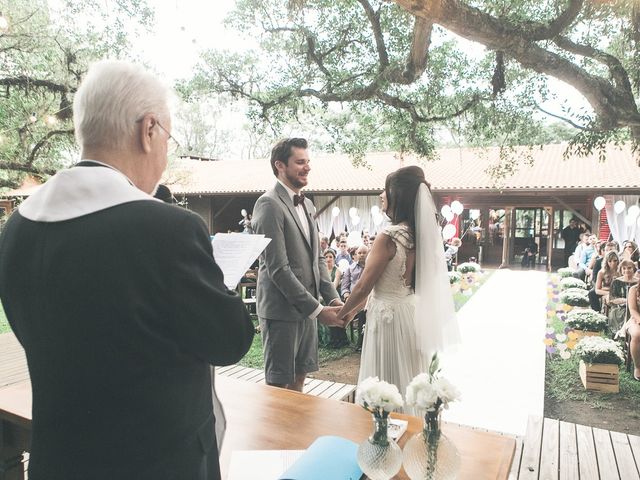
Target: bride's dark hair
402 188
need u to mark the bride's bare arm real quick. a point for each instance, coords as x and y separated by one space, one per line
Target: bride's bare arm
381 253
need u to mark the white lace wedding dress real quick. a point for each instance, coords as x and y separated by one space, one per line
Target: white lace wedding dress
389 351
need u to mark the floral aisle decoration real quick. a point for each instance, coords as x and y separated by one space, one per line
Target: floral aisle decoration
575 297
565 272
586 320
468 267
430 454
455 279
600 360
570 282
379 457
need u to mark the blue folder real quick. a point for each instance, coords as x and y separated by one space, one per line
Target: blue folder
328 457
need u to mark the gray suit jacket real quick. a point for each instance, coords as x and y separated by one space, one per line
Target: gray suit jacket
293 273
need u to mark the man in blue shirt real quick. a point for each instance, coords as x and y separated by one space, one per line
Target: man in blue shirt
585 258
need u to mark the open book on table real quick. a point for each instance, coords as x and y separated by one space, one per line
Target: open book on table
326 458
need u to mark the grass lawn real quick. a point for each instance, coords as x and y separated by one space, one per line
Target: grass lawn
4 325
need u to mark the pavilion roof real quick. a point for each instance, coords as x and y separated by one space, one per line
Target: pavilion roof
454 169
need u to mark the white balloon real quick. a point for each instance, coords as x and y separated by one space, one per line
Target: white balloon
445 210
354 239
599 203
343 265
619 206
355 220
633 211
375 210
335 211
448 231
243 212
457 207
353 211
474 214
449 216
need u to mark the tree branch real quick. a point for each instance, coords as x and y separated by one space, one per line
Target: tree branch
418 55
23 167
43 141
564 119
374 20
560 23
610 104
23 81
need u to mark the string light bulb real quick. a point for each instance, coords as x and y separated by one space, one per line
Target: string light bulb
4 23
51 120
33 117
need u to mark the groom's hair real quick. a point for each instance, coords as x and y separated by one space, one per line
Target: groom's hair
281 151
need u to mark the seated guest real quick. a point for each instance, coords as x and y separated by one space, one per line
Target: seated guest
630 252
633 328
603 283
343 254
586 252
334 271
617 299
349 281
118 301
324 243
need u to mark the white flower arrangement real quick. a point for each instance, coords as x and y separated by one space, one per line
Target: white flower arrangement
468 267
570 282
454 277
378 397
565 272
588 320
429 392
576 297
599 350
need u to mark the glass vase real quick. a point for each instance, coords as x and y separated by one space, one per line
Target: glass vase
430 455
379 457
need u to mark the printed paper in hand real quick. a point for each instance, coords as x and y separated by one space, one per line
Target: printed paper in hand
235 252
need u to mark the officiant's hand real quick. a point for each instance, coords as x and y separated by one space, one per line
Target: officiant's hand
329 316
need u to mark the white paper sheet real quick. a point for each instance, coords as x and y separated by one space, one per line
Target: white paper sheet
261 464
235 253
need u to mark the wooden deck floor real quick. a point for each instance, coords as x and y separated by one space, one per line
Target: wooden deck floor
556 450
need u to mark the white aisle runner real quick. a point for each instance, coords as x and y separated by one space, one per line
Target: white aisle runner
499 367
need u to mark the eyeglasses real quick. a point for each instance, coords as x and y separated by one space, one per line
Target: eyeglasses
172 144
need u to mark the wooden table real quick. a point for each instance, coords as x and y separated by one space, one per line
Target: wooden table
260 417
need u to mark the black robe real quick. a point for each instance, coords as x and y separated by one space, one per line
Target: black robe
121 309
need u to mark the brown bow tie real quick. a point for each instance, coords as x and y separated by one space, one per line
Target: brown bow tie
298 199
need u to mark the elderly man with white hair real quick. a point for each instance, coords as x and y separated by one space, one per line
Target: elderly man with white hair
117 300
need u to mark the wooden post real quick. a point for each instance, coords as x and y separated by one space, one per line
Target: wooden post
551 236
506 237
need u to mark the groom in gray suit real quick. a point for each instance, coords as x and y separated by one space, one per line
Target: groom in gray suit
293 273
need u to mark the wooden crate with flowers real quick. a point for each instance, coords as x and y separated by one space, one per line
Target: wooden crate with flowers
600 360
586 322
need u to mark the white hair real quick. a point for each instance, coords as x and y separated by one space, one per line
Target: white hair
113 96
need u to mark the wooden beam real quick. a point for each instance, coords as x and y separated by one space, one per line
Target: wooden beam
550 236
576 213
506 233
331 202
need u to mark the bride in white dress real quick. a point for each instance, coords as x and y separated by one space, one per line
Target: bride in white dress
410 311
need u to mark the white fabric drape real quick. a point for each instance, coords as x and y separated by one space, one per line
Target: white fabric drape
619 229
436 324
327 223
